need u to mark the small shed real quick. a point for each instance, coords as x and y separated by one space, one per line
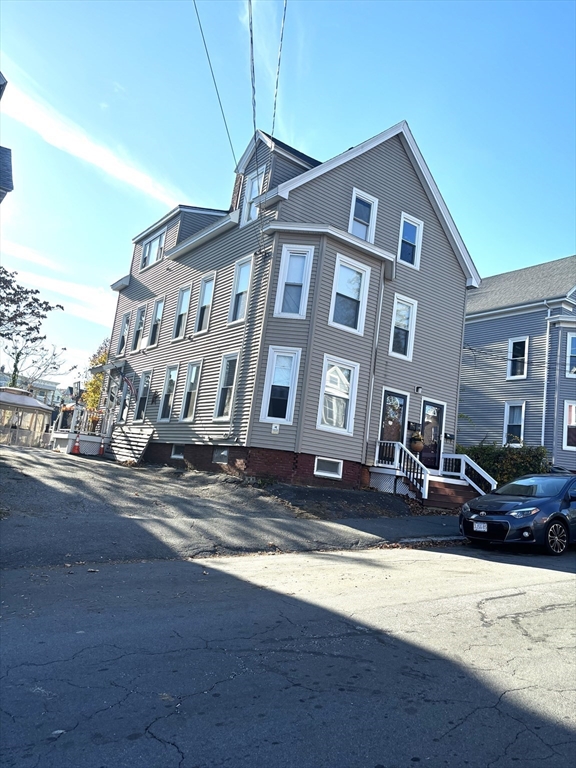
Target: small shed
23 419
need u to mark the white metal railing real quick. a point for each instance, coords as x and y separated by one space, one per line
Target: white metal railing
461 466
396 456
85 421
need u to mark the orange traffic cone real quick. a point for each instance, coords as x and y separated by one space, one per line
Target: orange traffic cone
101 451
76 446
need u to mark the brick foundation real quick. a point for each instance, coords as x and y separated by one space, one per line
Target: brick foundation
264 463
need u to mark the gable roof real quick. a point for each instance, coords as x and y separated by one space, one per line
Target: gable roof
404 133
274 145
552 280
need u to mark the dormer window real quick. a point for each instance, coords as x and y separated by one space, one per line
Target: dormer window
252 189
363 215
152 250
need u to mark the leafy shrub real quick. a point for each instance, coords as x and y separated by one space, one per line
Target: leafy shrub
505 463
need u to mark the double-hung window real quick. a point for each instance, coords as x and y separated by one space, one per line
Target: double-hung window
152 250
294 281
125 398
569 435
517 358
410 243
225 395
349 295
181 313
143 392
168 393
204 303
156 322
513 423
338 395
403 325
240 288
571 355
252 189
280 385
363 212
123 338
138 336
191 391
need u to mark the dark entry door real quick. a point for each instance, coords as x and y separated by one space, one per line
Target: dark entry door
393 417
432 429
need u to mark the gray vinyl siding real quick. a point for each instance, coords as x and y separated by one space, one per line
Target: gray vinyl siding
190 223
560 388
485 389
283 170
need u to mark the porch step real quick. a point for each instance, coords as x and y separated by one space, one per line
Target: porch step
447 495
128 444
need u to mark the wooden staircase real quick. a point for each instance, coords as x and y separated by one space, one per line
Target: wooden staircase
128 444
448 495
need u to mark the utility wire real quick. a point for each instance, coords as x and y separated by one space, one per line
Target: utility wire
278 69
214 81
253 80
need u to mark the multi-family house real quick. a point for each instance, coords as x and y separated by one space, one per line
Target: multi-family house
519 361
306 332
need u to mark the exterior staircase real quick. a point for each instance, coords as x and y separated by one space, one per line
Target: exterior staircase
448 495
128 444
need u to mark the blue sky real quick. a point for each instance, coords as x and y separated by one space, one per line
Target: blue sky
112 119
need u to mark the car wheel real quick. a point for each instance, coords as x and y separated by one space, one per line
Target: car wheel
556 538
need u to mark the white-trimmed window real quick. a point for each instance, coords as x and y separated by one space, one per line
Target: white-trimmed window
181 313
571 355
123 338
403 326
138 336
205 303
143 392
125 398
338 395
155 323
239 301
177 451
226 386
349 295
167 400
513 423
152 250
252 188
191 391
363 212
569 432
410 241
324 467
280 385
294 281
517 358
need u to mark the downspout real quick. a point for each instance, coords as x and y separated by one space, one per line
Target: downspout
373 371
546 363
557 384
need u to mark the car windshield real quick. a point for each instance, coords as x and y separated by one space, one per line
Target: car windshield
536 487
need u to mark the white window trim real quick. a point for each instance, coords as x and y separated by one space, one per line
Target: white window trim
190 365
140 388
511 343
248 183
411 331
227 356
205 279
141 345
237 266
331 360
125 325
273 352
359 267
507 405
175 455
374 203
287 250
145 243
124 394
420 230
156 302
178 313
164 389
332 475
569 338
565 446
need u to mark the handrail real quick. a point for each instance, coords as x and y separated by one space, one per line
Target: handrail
394 454
462 466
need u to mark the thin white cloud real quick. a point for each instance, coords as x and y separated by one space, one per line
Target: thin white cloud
62 133
24 253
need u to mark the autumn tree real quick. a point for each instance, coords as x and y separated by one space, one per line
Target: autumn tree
93 388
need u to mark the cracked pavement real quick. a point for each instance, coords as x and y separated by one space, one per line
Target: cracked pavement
382 658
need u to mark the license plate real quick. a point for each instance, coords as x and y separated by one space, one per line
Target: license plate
483 527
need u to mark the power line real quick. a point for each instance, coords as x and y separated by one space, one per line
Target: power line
214 81
278 69
253 81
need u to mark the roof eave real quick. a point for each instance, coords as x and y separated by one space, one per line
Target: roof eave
204 235
174 212
119 285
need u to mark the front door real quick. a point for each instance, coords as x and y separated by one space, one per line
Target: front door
432 429
393 425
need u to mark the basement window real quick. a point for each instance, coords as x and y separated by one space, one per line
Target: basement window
328 468
220 455
177 451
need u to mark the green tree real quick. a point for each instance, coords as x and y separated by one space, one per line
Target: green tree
93 388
